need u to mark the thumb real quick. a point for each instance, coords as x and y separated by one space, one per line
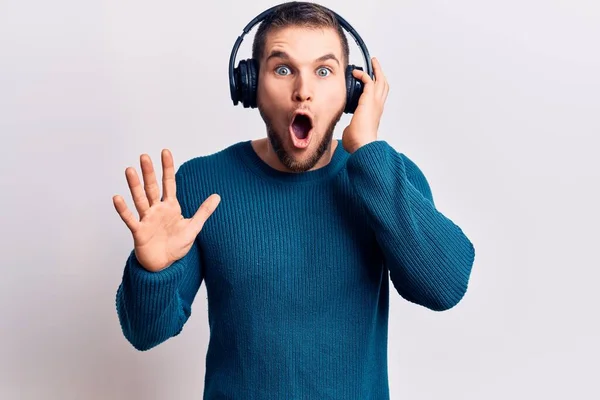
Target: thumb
205 210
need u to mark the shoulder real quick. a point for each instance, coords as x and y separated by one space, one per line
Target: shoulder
199 177
209 170
208 163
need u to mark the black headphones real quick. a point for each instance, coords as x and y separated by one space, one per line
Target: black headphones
243 80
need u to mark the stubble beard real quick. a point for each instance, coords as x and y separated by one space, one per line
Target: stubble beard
287 159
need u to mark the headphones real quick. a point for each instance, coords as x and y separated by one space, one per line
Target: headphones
243 80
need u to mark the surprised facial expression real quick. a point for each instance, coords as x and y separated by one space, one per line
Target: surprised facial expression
301 93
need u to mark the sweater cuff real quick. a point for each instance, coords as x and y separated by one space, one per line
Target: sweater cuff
371 155
376 167
153 281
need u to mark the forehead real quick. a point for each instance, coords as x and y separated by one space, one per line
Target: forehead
304 42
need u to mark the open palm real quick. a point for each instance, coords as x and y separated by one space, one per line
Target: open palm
162 235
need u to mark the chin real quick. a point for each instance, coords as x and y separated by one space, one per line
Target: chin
299 160
294 157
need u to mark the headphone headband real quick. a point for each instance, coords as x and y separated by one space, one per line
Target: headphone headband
260 17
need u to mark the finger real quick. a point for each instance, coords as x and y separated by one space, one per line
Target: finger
386 91
377 69
150 184
169 185
125 213
381 82
364 77
137 192
205 210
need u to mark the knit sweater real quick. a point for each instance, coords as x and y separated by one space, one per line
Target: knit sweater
297 269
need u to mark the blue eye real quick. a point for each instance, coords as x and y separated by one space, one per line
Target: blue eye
326 71
279 69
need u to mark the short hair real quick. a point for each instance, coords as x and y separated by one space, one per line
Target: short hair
298 14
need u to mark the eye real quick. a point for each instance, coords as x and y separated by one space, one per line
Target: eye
279 69
323 72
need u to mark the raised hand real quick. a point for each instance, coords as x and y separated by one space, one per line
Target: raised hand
365 121
162 235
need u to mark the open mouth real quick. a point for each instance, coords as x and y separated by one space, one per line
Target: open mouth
300 129
301 125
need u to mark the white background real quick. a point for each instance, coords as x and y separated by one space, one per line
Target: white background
497 102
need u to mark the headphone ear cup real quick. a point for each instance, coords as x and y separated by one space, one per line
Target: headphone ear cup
354 89
236 85
246 82
252 82
243 83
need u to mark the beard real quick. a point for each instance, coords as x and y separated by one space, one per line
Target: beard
286 158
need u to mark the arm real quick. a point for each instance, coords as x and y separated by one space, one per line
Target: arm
154 306
428 256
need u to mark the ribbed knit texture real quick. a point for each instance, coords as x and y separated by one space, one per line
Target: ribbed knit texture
297 270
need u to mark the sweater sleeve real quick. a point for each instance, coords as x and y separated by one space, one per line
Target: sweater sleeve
154 306
428 256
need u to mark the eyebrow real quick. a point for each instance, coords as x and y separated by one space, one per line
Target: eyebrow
286 56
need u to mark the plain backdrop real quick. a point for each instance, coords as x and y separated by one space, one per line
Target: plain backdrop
497 102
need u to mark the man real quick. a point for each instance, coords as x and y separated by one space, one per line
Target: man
294 235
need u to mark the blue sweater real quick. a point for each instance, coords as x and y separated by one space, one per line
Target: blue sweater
297 270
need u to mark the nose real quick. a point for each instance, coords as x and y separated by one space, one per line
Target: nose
302 89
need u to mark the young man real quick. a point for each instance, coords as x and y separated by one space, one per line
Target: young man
295 236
